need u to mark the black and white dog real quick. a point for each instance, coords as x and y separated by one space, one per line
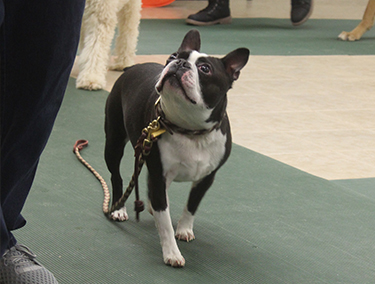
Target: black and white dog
193 97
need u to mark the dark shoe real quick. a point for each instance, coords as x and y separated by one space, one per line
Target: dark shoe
18 266
217 12
301 11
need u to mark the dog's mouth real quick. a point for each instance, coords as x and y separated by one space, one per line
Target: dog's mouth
175 82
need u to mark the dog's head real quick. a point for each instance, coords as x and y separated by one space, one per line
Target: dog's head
193 86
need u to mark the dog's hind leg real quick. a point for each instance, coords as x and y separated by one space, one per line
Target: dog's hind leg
184 230
114 151
366 24
116 139
126 42
99 22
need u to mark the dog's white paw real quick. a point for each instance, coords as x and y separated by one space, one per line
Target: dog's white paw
348 36
186 235
343 36
90 83
120 215
184 230
174 260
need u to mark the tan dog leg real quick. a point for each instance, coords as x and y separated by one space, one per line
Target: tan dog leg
366 24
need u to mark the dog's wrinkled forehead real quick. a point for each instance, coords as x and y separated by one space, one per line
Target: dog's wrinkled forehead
191 56
195 55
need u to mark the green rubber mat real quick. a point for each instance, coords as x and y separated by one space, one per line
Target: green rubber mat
263 36
364 186
261 222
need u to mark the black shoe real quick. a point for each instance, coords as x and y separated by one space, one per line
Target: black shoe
301 11
217 12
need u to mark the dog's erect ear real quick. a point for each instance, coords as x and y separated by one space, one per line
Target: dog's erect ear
191 41
235 61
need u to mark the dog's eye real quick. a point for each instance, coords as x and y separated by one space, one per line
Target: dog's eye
205 68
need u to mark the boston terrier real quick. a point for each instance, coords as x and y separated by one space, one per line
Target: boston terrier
191 95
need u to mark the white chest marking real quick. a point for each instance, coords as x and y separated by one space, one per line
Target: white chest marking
191 158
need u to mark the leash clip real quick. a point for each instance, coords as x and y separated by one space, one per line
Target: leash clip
152 131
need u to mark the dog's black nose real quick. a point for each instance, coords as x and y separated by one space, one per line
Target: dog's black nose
183 63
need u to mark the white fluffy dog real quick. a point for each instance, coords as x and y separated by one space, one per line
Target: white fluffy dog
97 31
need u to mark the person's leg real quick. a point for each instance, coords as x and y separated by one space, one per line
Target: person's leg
38 47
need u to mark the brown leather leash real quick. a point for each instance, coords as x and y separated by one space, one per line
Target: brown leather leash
142 150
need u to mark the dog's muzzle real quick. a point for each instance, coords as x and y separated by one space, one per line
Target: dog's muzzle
174 72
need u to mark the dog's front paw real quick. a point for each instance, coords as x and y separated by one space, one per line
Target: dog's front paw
185 235
120 215
174 260
350 36
90 83
184 230
344 36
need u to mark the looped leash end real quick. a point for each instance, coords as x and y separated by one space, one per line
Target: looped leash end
138 208
80 144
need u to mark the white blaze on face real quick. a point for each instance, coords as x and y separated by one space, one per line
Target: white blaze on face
195 90
185 107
